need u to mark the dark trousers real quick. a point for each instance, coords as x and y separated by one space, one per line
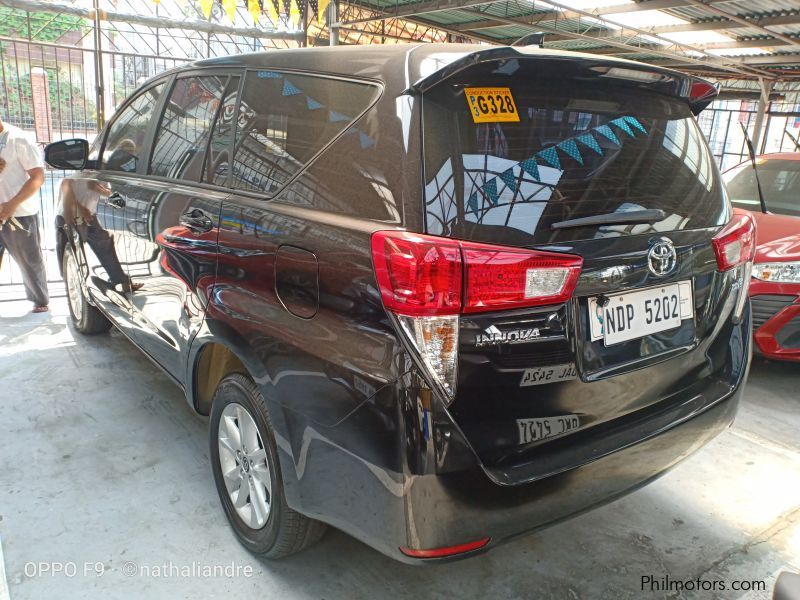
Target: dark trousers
24 246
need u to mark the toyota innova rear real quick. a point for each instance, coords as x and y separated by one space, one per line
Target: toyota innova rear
579 290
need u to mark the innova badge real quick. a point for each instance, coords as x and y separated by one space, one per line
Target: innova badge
662 258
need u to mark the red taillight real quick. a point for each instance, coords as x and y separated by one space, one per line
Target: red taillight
417 275
736 243
447 551
502 279
422 275
701 90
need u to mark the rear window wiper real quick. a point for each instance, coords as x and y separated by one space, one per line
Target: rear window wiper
652 215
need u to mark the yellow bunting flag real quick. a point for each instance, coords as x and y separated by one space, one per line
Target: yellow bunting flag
272 12
230 8
254 9
294 12
205 6
321 6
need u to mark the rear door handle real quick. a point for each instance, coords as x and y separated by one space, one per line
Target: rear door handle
196 221
116 200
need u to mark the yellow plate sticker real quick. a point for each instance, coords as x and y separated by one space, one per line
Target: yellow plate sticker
491 105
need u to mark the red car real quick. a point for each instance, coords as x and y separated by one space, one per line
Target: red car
775 287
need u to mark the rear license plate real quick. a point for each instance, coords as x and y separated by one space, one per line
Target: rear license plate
635 314
536 430
552 374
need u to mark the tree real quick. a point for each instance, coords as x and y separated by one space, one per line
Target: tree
44 26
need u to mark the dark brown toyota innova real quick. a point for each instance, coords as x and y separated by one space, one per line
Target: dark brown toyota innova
434 296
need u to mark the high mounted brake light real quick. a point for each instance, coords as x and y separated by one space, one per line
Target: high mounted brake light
428 281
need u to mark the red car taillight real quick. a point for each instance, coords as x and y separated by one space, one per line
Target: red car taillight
423 275
427 281
736 243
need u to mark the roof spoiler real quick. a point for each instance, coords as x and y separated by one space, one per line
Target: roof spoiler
698 92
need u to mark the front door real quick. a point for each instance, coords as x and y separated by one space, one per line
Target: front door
95 205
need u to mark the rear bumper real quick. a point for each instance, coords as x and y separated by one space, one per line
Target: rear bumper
776 328
456 508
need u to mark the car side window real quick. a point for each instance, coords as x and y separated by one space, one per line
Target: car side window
179 151
124 145
285 119
220 146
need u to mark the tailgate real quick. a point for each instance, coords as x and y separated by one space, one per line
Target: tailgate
522 155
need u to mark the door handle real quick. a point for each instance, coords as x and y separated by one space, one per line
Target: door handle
196 221
116 200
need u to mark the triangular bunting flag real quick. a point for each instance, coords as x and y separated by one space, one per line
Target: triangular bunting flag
335 117
289 89
272 11
254 8
312 104
531 168
635 122
491 191
322 5
622 124
606 132
509 179
551 156
205 7
472 203
230 9
571 148
294 11
588 140
365 140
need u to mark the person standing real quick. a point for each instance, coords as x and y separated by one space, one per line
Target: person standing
21 176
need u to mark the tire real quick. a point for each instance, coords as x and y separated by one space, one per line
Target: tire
86 319
280 531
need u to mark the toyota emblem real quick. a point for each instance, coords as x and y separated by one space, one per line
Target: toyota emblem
662 258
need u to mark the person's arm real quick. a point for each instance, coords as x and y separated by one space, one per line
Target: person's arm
28 189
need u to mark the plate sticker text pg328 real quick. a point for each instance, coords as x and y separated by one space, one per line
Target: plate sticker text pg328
491 104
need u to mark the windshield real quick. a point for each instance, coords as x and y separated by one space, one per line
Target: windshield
780 182
565 149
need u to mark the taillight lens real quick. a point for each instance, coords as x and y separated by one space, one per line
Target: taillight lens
418 275
423 275
503 279
736 243
427 281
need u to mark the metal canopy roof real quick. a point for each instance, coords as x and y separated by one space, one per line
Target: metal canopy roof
722 39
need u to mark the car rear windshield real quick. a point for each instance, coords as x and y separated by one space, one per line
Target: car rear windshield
780 183
511 150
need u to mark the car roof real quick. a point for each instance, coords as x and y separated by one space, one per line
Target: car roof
400 66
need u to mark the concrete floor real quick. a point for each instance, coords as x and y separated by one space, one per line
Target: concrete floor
102 465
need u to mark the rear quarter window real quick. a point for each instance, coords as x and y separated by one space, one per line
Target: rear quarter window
576 150
285 119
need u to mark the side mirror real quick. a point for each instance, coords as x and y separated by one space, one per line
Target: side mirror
69 155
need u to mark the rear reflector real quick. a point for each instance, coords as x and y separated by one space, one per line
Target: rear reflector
422 275
736 243
447 551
